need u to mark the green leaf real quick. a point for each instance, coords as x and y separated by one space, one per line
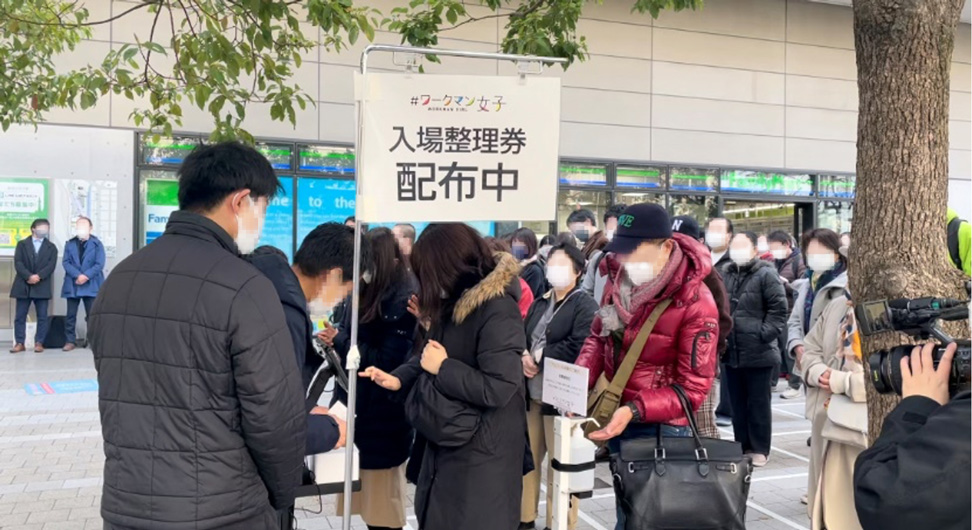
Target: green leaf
353 34
451 16
154 47
88 100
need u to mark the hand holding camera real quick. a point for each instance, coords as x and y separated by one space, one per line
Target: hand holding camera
921 376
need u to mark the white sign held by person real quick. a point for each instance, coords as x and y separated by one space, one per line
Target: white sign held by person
565 386
458 148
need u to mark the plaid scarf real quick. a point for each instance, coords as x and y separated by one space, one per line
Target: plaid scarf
850 339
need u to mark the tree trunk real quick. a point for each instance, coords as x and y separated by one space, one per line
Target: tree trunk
904 55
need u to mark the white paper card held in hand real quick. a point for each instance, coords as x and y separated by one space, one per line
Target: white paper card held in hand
565 386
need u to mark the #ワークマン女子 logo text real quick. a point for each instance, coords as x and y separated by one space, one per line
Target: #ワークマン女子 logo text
449 103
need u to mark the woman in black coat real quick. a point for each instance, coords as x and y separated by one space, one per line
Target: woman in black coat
472 469
759 312
385 336
526 249
556 327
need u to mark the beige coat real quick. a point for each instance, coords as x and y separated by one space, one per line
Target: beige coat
831 479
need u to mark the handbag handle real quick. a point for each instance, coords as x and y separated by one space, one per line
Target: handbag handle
700 452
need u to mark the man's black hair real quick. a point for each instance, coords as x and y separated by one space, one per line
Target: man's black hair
268 250
781 237
750 236
211 172
349 220
331 246
614 211
728 223
38 222
579 216
574 253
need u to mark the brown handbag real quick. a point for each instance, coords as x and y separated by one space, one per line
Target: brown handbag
601 405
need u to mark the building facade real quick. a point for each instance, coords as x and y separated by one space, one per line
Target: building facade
746 108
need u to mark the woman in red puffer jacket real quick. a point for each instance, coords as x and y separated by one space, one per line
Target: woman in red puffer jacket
647 264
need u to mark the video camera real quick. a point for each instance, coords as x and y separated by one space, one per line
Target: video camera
918 318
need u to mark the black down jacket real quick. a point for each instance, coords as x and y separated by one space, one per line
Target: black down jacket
382 434
477 486
567 330
202 409
759 312
916 475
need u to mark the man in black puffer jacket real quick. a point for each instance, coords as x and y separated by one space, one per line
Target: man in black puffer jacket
201 402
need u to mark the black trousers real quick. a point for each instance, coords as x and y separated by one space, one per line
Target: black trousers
752 419
725 403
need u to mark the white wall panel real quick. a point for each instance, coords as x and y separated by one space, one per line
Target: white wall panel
821 155
716 148
717 50
717 116
717 83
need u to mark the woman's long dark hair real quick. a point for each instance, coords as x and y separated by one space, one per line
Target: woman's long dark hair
597 242
387 271
448 258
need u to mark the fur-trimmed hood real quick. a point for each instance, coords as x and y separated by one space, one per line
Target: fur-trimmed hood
502 280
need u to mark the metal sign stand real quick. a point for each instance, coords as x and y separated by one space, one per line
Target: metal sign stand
354 357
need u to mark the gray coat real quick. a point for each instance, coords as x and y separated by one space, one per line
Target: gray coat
594 280
202 407
795 324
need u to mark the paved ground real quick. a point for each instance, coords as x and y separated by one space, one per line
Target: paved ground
51 458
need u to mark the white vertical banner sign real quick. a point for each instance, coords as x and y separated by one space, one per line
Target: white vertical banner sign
452 148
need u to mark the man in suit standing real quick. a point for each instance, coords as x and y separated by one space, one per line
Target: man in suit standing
84 265
35 260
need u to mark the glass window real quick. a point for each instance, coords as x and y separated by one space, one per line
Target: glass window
321 200
701 207
641 177
836 186
835 215
629 197
583 174
167 151
278 229
760 217
159 193
279 155
571 200
320 159
693 179
735 181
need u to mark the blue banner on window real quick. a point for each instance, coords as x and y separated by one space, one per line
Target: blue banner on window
322 201
278 229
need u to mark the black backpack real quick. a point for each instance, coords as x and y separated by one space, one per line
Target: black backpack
953 241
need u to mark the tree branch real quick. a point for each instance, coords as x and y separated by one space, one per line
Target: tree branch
83 24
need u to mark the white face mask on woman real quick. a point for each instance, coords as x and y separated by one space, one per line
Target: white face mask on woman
821 262
640 273
741 256
559 276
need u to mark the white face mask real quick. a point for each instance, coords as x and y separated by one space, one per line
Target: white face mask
318 308
559 276
779 254
640 273
609 234
247 239
715 240
741 256
821 262
762 248
83 233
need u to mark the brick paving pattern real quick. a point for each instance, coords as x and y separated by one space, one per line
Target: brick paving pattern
51 459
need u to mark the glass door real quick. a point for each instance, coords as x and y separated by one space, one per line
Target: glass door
761 217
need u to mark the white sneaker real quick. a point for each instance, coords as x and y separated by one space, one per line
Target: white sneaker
791 393
759 460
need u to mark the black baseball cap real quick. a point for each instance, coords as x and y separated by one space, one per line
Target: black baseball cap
640 223
686 224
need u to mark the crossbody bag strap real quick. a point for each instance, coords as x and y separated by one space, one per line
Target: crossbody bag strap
634 351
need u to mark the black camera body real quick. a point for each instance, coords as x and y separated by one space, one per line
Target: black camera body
918 318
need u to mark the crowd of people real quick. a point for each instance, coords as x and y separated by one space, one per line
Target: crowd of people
205 349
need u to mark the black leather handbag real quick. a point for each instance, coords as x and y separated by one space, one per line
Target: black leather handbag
669 483
440 419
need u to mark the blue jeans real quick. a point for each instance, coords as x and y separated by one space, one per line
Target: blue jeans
641 430
20 319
